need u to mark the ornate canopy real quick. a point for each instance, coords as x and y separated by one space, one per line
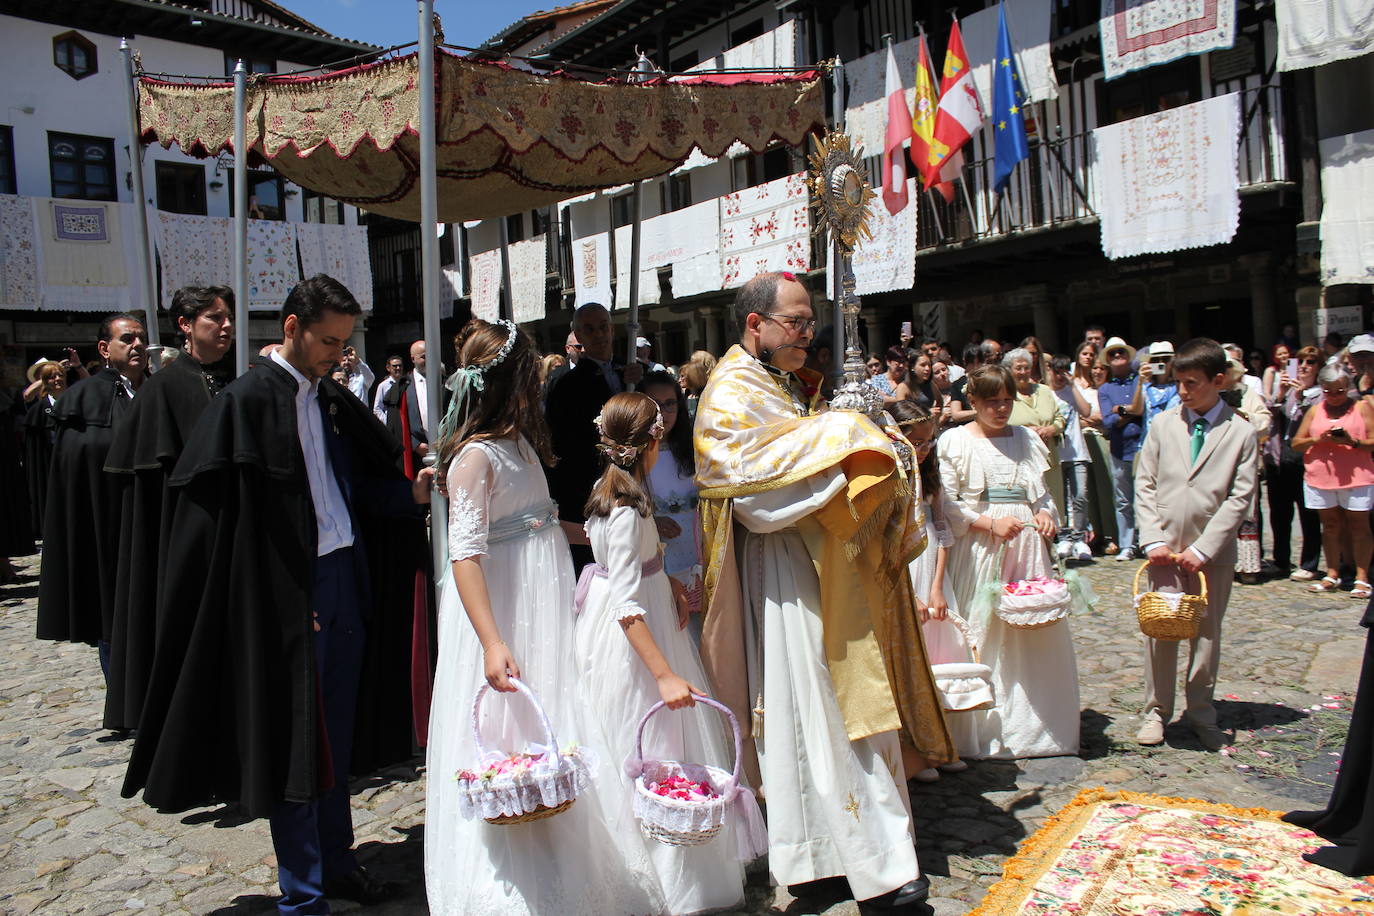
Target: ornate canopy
508 140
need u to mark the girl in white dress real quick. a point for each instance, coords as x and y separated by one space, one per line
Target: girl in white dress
992 478
944 642
633 650
505 609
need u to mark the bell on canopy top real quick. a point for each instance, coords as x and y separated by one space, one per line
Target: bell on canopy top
644 69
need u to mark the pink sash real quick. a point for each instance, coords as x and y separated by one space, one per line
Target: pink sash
596 570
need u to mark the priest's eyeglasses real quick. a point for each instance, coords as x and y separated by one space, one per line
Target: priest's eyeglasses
795 322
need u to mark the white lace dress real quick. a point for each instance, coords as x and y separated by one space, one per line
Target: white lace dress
1034 672
618 690
586 861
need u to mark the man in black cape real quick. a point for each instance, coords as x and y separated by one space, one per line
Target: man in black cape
145 449
76 586
267 613
573 403
1348 820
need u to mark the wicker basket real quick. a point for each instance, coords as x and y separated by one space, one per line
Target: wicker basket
1169 616
678 822
507 799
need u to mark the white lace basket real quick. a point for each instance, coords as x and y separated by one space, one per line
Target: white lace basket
680 822
1030 612
546 788
963 686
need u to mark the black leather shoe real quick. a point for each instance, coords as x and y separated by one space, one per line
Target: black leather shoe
828 889
898 901
360 886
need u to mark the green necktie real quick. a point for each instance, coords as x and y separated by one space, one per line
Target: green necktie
1199 436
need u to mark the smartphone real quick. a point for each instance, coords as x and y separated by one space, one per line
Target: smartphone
906 329
1338 432
1292 368
1157 368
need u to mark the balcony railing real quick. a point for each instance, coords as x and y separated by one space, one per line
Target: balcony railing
1056 186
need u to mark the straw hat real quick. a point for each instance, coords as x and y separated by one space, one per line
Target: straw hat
37 367
1115 343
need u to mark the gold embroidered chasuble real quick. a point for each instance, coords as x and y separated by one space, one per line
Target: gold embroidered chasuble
757 431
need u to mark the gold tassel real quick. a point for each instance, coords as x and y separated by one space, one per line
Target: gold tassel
756 719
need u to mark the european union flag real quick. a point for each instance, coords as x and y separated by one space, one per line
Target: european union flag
1008 100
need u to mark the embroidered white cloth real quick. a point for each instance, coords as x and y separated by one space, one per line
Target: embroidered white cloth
1168 181
1028 21
194 250
649 291
1316 32
865 115
84 264
887 261
450 288
341 252
18 253
1142 33
1347 226
592 269
484 277
529 278
272 266
685 239
765 228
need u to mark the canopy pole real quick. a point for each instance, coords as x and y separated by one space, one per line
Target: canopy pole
429 274
837 341
241 341
632 326
145 254
507 300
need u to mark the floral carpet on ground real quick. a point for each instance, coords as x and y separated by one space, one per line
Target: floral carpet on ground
1115 853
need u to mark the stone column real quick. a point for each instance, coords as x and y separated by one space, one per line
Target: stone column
712 335
1042 314
1263 307
873 339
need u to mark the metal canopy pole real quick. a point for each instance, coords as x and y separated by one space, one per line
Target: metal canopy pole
429 274
632 326
145 254
241 341
837 341
506 303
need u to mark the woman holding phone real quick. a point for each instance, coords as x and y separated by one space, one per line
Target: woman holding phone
1335 440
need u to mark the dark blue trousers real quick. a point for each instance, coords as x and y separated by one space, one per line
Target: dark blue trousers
314 840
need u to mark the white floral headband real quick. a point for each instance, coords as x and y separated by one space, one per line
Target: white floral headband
472 378
621 455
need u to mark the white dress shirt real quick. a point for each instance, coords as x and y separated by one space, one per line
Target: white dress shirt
128 386
359 382
334 529
378 405
421 387
608 372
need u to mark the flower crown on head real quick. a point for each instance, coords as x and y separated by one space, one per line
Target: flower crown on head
472 378
623 455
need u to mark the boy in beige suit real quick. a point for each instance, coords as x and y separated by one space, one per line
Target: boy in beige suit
1195 482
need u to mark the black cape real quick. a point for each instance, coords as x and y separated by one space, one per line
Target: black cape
145 449
16 532
231 711
1348 820
574 401
39 430
76 586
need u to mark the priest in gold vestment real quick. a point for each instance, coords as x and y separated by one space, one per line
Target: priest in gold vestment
810 633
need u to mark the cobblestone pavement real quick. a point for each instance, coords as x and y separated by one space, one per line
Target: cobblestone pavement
69 844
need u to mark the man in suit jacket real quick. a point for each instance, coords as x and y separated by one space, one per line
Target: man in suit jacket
1195 483
573 403
406 409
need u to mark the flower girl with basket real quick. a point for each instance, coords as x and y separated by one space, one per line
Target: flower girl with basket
519 820
697 824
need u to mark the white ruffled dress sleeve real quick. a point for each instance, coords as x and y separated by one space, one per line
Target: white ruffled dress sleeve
954 469
624 568
469 499
1036 464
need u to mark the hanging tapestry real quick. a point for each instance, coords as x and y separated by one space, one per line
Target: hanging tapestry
1316 32
194 251
529 272
592 269
18 253
339 251
1168 181
687 240
272 267
1142 33
1347 225
765 228
887 261
865 115
485 276
78 272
